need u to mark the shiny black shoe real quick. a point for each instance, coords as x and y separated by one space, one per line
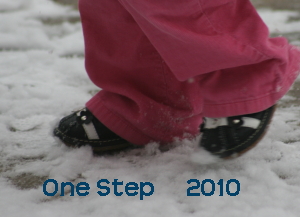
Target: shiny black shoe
82 128
232 136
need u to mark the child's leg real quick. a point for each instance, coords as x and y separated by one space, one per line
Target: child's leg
143 56
226 43
141 100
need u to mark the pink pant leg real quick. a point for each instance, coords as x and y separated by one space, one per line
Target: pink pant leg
226 43
141 100
161 64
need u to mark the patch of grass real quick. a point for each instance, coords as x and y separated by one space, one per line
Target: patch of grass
278 4
59 20
73 3
27 181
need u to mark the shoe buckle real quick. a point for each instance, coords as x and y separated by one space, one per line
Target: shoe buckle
83 117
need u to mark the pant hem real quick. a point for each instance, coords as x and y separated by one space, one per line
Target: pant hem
248 106
115 123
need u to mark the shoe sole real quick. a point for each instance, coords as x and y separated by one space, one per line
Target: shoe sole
96 149
105 150
238 154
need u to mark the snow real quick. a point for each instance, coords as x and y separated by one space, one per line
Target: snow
42 78
277 21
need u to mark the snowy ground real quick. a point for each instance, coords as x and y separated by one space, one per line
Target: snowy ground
42 78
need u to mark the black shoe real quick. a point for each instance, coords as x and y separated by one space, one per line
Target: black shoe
232 136
82 128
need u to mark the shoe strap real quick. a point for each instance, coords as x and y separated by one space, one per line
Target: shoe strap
86 120
90 131
212 123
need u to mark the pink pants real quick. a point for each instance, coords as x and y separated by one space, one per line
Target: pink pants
163 65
